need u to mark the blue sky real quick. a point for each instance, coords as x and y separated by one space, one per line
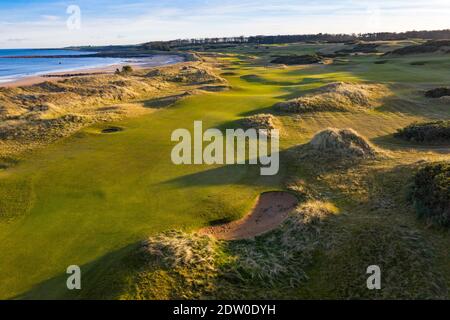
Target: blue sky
37 24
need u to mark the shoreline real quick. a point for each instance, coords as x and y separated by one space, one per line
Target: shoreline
36 115
154 61
56 76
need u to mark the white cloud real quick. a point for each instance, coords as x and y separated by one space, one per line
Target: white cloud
230 19
50 17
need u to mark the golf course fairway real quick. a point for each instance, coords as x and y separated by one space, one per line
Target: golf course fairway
94 195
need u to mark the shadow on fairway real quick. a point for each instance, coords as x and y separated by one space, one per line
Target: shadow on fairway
104 278
396 144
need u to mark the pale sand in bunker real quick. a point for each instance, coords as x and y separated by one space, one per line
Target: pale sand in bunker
270 210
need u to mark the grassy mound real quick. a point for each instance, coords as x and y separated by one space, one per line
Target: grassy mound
80 93
190 266
341 143
190 74
37 129
260 122
430 132
339 96
438 93
431 193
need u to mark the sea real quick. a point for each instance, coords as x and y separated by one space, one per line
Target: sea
12 69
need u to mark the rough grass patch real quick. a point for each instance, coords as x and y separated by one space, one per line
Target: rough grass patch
302 190
260 122
16 199
430 193
339 96
427 132
203 267
405 258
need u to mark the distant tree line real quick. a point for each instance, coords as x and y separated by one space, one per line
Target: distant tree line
376 36
320 37
166 45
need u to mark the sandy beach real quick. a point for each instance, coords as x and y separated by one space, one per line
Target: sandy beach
56 76
153 61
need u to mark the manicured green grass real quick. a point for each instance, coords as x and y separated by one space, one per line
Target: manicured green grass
94 193
89 198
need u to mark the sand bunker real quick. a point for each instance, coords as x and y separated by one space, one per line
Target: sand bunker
271 209
341 143
339 96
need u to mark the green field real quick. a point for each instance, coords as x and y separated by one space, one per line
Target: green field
88 199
